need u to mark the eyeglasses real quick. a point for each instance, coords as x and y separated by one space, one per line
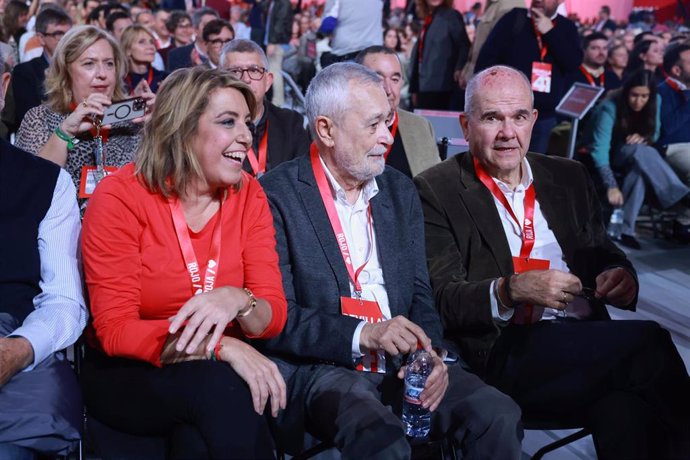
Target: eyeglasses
220 42
184 25
255 73
58 34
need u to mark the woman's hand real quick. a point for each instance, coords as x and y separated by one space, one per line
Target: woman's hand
614 196
83 116
143 90
635 138
206 311
260 373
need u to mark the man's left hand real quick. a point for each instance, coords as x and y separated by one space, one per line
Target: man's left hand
542 22
15 354
436 384
617 286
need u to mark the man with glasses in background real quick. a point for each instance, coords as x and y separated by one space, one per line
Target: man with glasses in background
215 35
279 134
195 52
26 90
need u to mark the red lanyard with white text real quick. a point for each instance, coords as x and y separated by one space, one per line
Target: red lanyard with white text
528 234
188 254
590 77
259 166
394 129
543 49
325 191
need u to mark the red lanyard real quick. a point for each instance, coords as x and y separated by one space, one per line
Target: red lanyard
394 130
325 190
528 234
259 166
674 86
543 49
422 35
188 254
149 80
590 77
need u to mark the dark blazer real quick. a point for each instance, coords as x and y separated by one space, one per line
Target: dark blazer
280 27
446 47
315 276
287 136
28 90
180 58
467 248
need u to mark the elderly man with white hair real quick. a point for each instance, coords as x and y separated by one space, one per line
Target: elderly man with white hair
344 374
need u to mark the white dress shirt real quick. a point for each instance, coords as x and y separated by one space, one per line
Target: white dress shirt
546 246
354 220
60 312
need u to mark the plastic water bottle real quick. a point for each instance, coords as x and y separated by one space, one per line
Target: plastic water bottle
616 224
416 418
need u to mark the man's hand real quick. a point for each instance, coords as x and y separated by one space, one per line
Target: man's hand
548 288
15 354
396 336
436 384
541 21
617 286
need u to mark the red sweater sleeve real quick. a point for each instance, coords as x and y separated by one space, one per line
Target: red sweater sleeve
261 269
113 266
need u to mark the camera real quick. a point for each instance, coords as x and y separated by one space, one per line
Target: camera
124 111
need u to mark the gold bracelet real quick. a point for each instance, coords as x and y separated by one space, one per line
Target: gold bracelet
250 307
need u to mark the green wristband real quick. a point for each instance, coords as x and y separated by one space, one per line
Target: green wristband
71 141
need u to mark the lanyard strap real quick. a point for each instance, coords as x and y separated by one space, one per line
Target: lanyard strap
149 80
674 86
190 260
394 130
422 35
259 165
528 234
590 77
543 49
325 191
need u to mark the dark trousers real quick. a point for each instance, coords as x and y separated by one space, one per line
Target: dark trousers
434 100
41 409
360 413
622 379
203 407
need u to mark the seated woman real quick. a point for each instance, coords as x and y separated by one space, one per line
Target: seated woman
620 133
84 77
139 45
180 263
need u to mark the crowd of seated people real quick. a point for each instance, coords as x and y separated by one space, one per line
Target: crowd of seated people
245 275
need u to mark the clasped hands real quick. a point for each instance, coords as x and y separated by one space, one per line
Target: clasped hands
556 289
207 315
398 336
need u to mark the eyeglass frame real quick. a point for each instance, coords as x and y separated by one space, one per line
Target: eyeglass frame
58 34
219 41
263 71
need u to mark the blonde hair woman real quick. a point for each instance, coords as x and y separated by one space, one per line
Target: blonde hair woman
139 46
83 79
180 263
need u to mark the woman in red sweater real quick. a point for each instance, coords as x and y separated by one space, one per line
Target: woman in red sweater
180 262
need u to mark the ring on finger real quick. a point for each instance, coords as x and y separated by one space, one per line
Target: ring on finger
84 103
564 297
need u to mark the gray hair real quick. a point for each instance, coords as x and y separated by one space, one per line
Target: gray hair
241 45
475 82
328 92
200 13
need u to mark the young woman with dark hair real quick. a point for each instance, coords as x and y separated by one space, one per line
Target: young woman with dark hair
621 132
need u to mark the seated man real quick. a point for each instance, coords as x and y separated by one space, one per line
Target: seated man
521 268
675 120
414 147
193 53
216 34
348 237
41 306
279 134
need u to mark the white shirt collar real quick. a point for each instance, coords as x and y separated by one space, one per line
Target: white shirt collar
680 84
525 181
369 189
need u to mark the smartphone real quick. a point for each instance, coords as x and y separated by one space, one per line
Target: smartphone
124 111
